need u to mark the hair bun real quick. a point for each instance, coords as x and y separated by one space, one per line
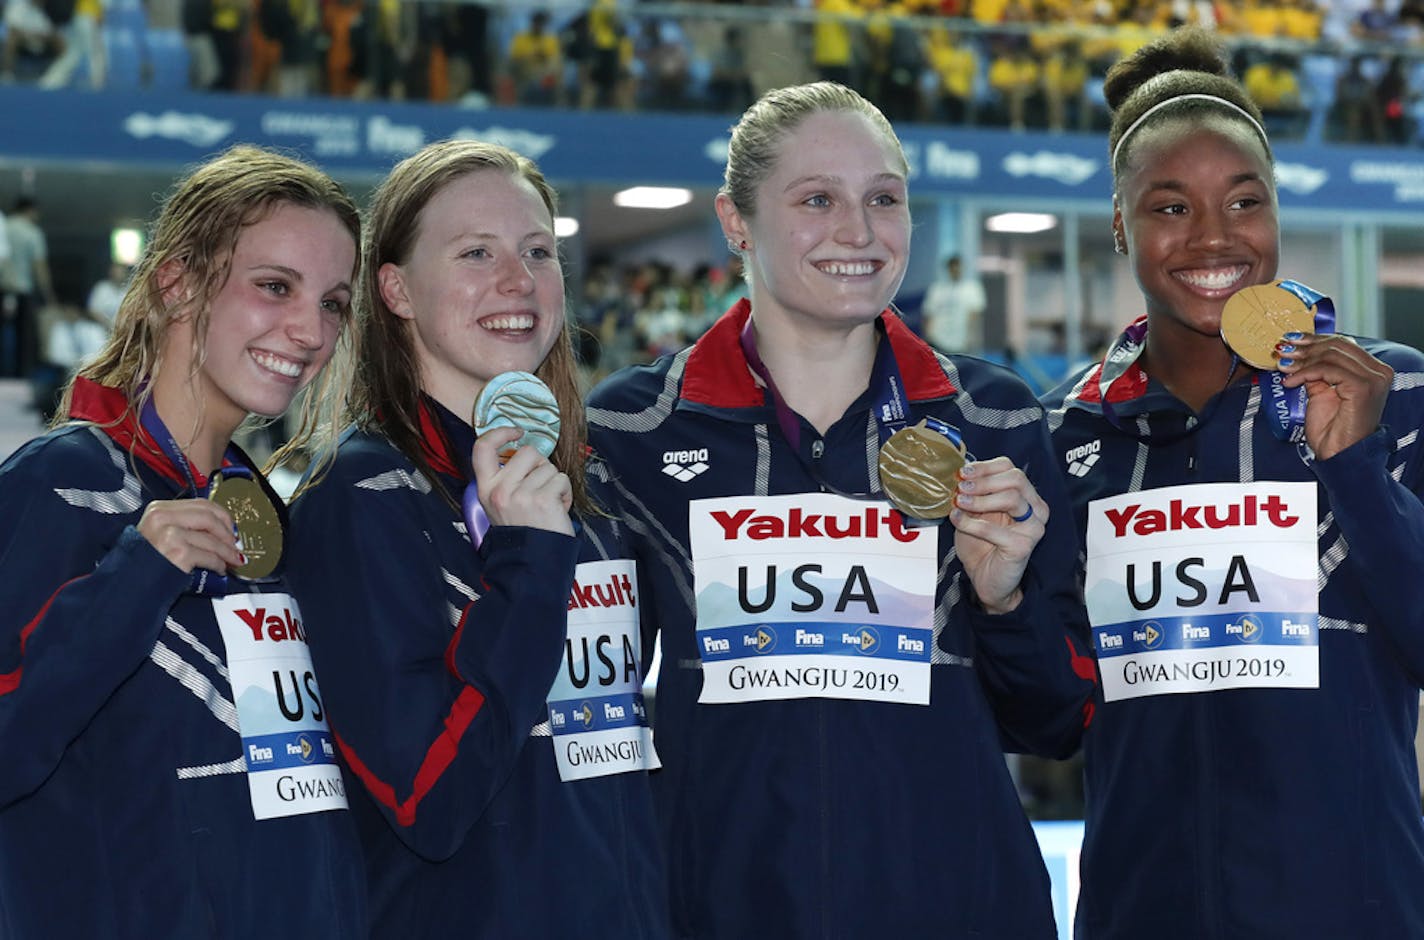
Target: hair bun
1185 49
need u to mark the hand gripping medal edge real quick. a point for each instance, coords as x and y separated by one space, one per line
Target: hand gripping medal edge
511 400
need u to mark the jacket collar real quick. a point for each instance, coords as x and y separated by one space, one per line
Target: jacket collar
110 411
442 435
717 373
1132 383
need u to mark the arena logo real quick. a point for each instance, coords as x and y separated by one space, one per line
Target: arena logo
685 465
1082 458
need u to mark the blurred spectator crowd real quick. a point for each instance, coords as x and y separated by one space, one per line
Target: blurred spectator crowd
1346 70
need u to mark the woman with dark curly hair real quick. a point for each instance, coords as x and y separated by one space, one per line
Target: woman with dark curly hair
1246 481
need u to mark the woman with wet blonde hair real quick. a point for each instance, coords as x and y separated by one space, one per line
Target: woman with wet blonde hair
154 679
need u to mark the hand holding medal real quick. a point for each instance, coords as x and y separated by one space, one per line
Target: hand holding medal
998 520
518 416
193 534
998 517
1288 330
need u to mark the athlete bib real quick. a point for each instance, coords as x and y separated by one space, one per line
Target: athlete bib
596 710
290 754
812 596
1205 587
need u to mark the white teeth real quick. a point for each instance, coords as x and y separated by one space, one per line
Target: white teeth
278 365
1213 280
843 269
510 322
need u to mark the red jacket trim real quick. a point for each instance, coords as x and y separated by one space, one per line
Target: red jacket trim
717 373
10 681
438 757
109 409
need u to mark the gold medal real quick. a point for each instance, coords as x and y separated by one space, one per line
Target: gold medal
1256 318
919 471
259 526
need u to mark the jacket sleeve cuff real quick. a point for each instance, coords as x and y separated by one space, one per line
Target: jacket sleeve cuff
1356 474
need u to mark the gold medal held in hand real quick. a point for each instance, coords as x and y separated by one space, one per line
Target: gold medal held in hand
919 471
259 526
1256 318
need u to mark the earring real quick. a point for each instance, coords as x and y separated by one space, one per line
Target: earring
744 244
1119 246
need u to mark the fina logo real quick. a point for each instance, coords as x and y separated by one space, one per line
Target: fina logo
869 641
1065 168
1248 629
765 639
196 129
308 752
584 713
1150 635
685 465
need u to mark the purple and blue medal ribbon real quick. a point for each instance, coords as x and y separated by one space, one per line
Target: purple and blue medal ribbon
1119 359
891 411
1286 406
476 519
204 582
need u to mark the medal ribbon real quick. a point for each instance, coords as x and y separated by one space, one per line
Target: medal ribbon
1119 360
1287 405
891 412
204 582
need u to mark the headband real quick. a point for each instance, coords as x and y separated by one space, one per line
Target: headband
1197 96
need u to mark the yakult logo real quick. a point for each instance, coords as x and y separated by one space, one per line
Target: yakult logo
1180 515
617 591
798 524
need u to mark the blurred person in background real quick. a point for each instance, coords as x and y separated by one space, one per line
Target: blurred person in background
26 285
